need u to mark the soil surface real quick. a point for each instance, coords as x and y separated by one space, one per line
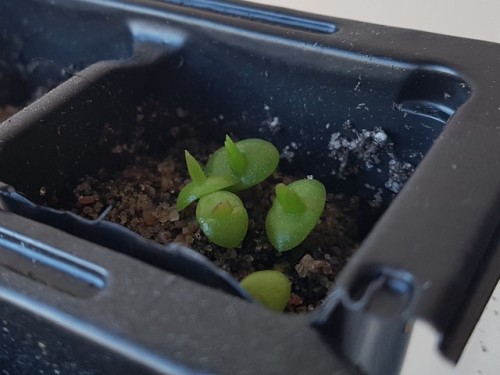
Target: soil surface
143 197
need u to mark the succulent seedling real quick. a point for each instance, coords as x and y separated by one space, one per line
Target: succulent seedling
237 166
271 288
200 184
250 161
223 218
294 213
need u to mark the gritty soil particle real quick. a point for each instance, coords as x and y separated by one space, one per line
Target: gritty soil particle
143 197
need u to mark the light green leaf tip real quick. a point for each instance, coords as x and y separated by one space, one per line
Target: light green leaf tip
194 169
237 160
271 288
289 199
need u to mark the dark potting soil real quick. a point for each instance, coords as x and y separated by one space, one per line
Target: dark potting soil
143 196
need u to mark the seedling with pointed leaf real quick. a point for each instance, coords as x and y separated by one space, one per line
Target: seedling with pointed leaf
223 218
200 184
294 213
250 161
270 288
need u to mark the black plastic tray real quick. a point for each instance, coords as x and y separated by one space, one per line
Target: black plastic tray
91 297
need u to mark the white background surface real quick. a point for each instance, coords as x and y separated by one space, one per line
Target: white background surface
479 19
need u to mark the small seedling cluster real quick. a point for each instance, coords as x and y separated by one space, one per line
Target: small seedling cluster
224 220
238 166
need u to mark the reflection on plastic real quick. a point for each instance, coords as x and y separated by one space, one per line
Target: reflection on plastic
50 266
256 14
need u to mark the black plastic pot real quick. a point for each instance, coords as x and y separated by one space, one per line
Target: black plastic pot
81 296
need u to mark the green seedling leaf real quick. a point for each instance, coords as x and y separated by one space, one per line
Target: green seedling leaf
271 288
294 213
223 218
237 160
289 199
194 169
200 184
250 161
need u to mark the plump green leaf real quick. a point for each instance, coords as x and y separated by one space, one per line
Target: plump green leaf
223 218
250 161
271 288
294 213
